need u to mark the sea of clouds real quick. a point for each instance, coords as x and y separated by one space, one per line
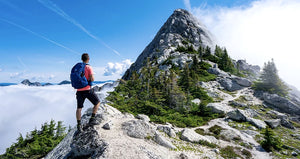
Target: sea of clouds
23 108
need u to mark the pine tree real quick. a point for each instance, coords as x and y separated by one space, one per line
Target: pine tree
200 53
225 62
270 80
270 142
218 51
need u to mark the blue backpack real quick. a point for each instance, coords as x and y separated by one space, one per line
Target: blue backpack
77 76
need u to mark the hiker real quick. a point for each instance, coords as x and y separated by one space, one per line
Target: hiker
82 82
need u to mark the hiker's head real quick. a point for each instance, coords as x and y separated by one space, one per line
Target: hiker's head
85 57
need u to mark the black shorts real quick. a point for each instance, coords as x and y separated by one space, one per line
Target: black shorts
89 94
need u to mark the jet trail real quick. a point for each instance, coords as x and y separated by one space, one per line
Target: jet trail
52 6
38 35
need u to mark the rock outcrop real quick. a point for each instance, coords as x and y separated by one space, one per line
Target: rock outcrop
282 104
180 26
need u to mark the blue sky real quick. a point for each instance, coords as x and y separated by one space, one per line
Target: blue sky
42 39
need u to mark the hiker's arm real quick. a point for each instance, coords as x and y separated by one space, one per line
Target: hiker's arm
91 78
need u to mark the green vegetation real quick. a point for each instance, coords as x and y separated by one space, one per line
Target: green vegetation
228 152
246 153
270 142
37 143
270 81
208 144
166 97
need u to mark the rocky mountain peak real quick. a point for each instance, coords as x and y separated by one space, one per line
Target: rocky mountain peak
181 28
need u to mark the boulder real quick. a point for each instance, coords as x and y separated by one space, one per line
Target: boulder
167 129
217 71
137 129
87 143
281 103
277 115
219 108
274 123
161 140
242 65
191 136
228 135
242 81
229 84
107 126
237 115
286 123
143 117
257 123
196 101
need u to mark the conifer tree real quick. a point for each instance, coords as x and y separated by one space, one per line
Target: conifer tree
270 142
270 80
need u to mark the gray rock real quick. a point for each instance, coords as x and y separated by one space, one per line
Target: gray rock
294 153
228 135
191 136
238 104
277 115
137 129
274 123
143 117
180 26
217 72
297 136
250 132
287 124
217 151
88 143
158 138
254 70
107 126
257 123
237 115
229 84
251 113
219 108
182 156
282 104
242 81
196 101
167 129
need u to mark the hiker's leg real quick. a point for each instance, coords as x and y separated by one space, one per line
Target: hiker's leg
95 109
78 114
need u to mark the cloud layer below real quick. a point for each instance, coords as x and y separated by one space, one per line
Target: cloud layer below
258 32
23 108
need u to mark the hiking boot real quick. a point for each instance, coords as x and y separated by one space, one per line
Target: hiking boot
93 121
79 128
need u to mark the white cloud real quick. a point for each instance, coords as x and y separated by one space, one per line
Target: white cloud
0 70
117 68
187 4
23 108
263 30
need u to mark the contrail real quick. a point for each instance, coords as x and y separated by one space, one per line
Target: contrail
52 6
22 63
38 35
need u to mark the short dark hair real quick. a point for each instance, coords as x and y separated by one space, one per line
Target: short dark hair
85 56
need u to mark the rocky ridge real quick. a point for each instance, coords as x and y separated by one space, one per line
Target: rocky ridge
246 112
181 27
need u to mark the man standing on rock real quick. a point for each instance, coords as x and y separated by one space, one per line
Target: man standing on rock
86 92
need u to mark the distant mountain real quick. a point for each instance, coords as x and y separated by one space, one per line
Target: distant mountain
64 82
28 83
